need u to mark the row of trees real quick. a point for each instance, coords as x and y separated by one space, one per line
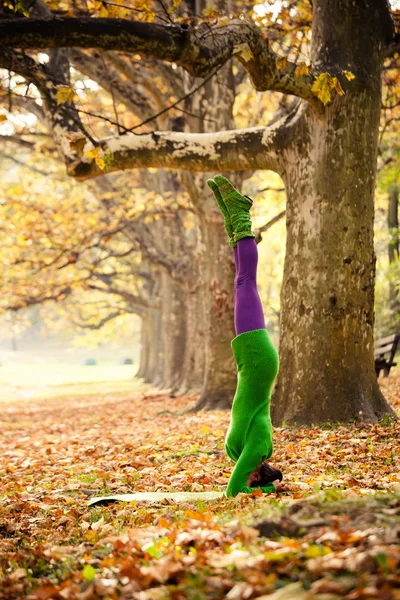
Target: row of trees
322 141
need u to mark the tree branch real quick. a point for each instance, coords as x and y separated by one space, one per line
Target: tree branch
128 296
198 53
235 150
22 164
137 77
99 324
269 224
17 140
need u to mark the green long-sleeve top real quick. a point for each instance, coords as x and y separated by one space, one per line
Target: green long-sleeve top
249 438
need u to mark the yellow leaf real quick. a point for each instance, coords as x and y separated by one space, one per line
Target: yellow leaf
100 163
3 118
337 86
322 87
94 153
301 69
78 145
175 5
349 75
281 62
64 94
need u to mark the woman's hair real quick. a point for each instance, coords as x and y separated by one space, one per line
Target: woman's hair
268 475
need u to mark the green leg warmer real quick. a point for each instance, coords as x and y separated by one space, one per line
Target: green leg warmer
218 197
238 207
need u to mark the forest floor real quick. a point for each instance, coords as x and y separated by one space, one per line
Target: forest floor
334 535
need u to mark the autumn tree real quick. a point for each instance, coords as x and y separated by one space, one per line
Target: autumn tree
323 145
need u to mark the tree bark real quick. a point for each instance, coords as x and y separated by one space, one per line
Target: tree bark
156 373
193 361
144 349
393 246
171 235
216 265
173 332
220 374
327 297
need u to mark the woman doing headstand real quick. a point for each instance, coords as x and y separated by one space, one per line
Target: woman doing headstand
248 441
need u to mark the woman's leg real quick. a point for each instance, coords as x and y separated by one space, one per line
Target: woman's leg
248 312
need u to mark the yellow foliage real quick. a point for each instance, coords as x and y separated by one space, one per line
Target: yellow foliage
281 62
337 86
323 86
301 69
98 155
349 75
145 7
3 118
76 141
175 5
64 94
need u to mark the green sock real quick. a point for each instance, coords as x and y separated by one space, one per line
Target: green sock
218 197
238 207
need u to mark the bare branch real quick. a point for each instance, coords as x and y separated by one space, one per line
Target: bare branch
234 150
107 77
131 298
22 164
95 326
269 224
198 53
17 140
137 77
270 189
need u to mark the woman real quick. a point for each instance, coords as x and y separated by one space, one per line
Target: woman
248 441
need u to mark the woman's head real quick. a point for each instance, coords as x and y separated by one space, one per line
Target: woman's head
263 475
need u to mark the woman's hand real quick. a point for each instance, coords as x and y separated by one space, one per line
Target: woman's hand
280 487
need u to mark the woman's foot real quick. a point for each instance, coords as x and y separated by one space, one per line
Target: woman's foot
238 207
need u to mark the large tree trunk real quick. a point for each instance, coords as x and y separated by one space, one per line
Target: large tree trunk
327 298
157 347
216 264
152 350
173 332
218 275
194 357
144 349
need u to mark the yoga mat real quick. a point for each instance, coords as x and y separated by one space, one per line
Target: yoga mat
156 497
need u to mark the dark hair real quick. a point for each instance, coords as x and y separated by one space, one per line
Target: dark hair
268 475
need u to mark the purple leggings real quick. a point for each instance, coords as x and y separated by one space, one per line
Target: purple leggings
248 308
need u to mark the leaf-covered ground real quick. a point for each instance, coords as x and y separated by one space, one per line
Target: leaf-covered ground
334 535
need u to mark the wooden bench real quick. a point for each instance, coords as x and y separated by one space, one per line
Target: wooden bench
385 349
